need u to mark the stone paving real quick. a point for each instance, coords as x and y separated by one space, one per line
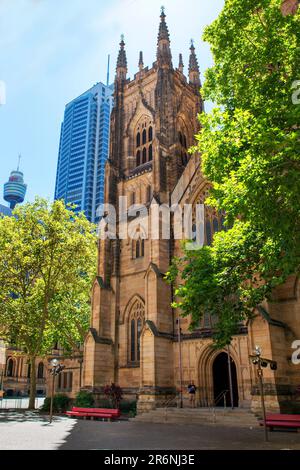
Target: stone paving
33 432
151 436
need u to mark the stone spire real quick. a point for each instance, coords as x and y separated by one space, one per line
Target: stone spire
194 72
122 61
180 65
164 56
141 61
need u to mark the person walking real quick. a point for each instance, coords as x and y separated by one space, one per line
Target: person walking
192 392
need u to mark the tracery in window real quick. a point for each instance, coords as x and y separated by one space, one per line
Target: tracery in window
183 147
144 141
135 325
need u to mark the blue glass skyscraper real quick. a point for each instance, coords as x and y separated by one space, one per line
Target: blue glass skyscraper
83 150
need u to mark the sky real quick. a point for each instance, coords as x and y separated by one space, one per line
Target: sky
54 50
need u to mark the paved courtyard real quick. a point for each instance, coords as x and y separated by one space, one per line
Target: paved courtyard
31 431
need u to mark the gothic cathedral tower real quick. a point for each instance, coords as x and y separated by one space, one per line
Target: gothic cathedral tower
153 124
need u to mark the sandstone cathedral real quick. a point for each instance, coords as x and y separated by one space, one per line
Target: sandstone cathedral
136 339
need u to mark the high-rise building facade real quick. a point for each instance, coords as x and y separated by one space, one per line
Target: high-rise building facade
83 150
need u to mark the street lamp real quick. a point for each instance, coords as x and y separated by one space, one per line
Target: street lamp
180 362
2 366
261 362
55 370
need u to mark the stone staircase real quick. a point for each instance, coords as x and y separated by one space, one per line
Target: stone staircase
238 417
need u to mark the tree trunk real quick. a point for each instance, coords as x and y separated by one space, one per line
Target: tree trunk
32 394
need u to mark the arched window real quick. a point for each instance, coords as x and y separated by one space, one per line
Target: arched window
137 249
215 225
144 155
180 138
139 330
133 340
208 233
183 147
142 247
29 371
40 374
143 141
10 367
206 321
136 321
144 136
194 232
184 142
138 139
149 193
138 158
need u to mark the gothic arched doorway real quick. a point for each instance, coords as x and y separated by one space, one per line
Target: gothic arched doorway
221 380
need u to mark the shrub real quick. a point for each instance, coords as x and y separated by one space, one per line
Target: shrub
84 399
61 403
113 393
128 407
290 407
103 403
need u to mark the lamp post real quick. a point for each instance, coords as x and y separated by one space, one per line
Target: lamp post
230 377
180 361
80 360
2 366
261 362
55 370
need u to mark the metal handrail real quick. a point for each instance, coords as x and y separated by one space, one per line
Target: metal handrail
168 403
221 396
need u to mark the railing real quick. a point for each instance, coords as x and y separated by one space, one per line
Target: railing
24 380
171 403
19 403
220 397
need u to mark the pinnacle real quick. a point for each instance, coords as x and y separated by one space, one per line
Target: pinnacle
193 64
122 59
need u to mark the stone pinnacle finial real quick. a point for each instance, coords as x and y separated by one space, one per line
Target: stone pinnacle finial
141 61
163 28
164 56
122 60
193 65
181 65
194 71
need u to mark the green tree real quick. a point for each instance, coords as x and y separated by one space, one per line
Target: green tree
250 152
47 262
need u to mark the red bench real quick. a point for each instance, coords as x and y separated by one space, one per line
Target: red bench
282 421
103 413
